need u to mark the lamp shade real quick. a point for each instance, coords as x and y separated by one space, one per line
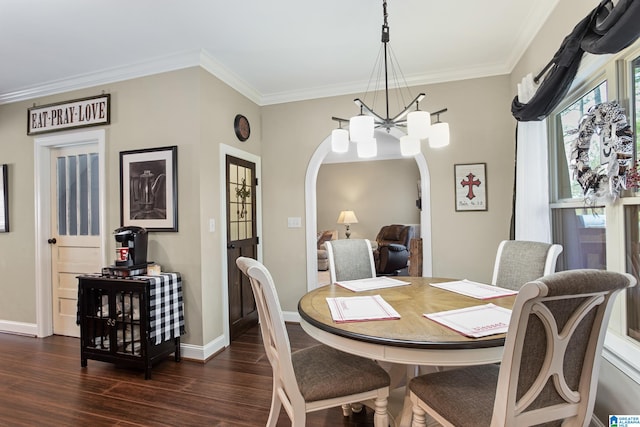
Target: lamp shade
439 136
340 140
367 148
419 124
409 146
361 128
347 217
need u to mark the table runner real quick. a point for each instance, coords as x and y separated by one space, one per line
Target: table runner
166 309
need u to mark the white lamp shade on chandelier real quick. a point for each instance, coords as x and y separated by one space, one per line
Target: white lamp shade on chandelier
409 145
340 140
361 128
439 136
418 124
367 148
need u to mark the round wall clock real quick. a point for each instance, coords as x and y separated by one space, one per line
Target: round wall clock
242 128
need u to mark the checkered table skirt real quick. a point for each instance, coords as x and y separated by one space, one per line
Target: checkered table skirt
166 309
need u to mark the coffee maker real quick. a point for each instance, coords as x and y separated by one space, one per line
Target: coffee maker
132 248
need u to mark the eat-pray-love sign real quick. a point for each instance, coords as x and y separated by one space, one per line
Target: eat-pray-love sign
93 111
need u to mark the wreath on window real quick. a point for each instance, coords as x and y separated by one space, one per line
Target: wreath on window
608 122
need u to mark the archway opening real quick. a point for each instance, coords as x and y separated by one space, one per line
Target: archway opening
388 148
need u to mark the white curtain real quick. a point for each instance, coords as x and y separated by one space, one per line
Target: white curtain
532 216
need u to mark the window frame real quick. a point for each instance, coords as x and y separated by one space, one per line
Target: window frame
619 349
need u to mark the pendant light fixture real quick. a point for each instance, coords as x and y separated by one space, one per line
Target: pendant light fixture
416 123
439 136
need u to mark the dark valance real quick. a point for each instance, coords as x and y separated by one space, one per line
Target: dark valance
609 28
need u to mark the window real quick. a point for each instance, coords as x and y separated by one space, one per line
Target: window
632 220
569 120
598 232
582 234
632 227
580 229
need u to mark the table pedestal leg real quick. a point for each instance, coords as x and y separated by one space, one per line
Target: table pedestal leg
404 419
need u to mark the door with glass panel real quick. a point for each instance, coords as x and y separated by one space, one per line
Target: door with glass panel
75 241
242 241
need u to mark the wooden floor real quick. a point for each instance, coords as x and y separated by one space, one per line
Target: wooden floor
42 384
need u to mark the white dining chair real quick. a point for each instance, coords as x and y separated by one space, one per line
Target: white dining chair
350 259
520 261
550 365
314 378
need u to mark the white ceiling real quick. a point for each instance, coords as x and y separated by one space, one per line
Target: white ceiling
272 51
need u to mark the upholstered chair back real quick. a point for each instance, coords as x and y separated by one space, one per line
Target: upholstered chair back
519 261
350 259
553 347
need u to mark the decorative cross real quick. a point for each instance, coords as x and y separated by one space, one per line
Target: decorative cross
470 182
243 193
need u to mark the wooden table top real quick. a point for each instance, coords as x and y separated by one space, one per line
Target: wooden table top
412 330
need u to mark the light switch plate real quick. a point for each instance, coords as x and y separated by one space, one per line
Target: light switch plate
294 222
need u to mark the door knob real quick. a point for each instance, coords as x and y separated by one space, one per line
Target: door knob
52 241
231 246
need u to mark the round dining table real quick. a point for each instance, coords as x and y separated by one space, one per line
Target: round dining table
413 339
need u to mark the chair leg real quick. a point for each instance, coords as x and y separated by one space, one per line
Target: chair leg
381 415
346 409
356 408
419 417
274 411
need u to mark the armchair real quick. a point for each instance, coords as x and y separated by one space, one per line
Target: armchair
324 236
392 252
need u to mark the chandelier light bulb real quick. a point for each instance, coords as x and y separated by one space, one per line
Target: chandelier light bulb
340 140
367 148
409 146
439 136
419 124
361 128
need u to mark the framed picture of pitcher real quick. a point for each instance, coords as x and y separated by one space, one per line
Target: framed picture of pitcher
149 188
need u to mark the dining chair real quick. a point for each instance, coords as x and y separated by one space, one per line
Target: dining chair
314 378
350 259
520 261
550 364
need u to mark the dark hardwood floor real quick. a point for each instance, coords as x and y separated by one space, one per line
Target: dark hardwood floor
42 384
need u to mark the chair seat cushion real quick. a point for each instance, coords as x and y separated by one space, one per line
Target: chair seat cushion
462 396
323 372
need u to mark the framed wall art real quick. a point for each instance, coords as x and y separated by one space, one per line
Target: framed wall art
149 188
4 200
471 186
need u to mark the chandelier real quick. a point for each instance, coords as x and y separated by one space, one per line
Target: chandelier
417 123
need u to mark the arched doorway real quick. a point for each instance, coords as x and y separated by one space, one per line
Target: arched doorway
387 146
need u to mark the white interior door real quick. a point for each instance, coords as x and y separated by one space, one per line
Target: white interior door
75 241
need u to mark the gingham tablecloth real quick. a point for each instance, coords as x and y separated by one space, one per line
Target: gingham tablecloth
166 310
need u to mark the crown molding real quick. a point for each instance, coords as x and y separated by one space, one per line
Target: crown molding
443 76
210 64
81 81
204 59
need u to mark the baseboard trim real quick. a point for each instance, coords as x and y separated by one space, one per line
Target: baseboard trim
291 316
19 328
202 353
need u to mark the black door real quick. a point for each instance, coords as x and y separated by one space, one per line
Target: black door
241 241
